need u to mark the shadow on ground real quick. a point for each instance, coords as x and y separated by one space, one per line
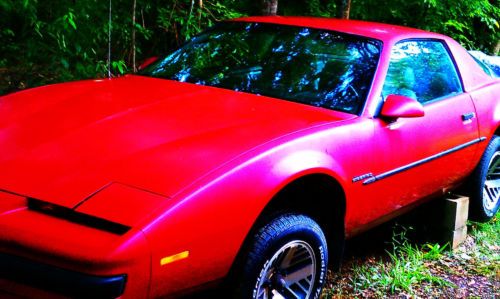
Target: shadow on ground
421 225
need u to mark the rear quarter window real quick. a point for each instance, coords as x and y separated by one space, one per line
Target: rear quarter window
484 67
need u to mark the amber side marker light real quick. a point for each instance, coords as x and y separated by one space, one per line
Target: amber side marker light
174 258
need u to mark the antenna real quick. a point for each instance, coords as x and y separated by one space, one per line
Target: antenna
109 41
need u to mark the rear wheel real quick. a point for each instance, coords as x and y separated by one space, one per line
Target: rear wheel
485 187
288 259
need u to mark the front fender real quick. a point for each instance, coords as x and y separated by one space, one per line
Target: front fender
212 221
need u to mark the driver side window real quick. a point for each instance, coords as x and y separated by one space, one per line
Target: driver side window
422 70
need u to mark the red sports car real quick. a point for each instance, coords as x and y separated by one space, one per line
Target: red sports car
247 157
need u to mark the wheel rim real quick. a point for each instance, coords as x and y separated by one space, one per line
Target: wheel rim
491 190
290 273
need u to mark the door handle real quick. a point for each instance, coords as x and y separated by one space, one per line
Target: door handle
468 116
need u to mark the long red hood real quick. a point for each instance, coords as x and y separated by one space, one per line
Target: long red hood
62 143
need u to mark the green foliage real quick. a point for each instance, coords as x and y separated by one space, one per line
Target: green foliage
473 23
318 8
185 18
433 252
53 41
405 269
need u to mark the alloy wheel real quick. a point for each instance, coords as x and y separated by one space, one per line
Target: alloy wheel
491 190
290 273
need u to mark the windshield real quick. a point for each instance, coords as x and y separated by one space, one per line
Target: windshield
311 66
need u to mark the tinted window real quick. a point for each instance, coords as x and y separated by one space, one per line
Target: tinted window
422 70
311 66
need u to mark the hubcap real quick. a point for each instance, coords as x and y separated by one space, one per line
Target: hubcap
290 273
491 191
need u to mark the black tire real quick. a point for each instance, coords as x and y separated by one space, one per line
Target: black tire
484 203
294 240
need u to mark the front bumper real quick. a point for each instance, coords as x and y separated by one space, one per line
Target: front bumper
48 255
61 281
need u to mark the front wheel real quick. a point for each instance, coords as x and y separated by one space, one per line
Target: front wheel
485 187
288 259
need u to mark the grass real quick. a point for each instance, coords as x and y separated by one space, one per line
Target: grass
426 269
404 269
485 256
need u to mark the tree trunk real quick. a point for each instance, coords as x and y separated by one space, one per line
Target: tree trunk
269 7
134 65
200 4
346 9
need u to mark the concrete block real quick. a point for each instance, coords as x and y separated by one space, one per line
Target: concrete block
454 222
456 212
455 237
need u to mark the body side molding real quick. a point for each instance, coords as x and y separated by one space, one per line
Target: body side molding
420 162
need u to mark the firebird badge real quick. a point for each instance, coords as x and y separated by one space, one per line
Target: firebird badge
362 177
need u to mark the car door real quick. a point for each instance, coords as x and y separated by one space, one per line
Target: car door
418 157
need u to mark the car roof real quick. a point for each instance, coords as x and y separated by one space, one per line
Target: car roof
383 32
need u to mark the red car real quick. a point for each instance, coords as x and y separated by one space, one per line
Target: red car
246 157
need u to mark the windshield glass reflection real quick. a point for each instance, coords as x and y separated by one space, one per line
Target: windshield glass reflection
310 66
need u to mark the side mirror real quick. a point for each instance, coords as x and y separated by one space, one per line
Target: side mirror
147 62
397 106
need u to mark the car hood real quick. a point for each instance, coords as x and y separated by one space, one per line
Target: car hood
62 143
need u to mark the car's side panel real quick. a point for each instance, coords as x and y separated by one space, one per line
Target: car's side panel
484 91
472 75
419 157
413 161
487 103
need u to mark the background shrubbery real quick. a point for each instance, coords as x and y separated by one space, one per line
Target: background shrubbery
54 40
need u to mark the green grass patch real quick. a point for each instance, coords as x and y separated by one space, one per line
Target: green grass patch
484 257
404 270
426 270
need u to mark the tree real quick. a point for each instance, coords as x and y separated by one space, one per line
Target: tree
269 7
473 23
345 9
134 63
